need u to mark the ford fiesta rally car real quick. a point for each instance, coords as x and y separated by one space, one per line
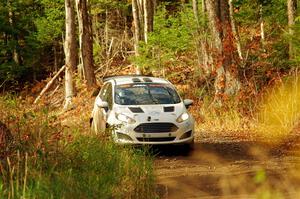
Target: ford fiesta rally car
142 110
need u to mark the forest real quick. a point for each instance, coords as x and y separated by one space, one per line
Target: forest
237 60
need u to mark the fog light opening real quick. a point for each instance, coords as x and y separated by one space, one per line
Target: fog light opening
186 135
123 136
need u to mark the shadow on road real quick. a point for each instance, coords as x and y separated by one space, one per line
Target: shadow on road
227 151
222 169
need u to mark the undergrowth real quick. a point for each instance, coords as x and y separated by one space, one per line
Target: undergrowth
45 159
273 117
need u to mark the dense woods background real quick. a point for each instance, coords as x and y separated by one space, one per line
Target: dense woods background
222 49
226 55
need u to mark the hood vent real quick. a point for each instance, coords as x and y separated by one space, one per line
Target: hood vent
136 110
169 109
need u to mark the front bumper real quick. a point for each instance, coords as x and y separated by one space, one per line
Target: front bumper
127 134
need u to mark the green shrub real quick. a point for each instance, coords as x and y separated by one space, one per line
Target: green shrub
172 36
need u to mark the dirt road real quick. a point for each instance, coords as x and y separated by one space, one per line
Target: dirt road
227 169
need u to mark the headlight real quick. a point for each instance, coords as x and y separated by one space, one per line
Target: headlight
183 117
124 118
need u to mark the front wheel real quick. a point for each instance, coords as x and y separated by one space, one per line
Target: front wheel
189 146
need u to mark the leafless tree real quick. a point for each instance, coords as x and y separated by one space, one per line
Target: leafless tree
86 42
225 62
143 13
70 53
15 54
235 31
291 9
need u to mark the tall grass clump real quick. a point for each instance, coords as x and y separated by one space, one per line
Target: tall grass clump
280 111
48 160
226 121
274 117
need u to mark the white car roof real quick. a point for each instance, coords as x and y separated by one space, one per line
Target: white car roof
119 80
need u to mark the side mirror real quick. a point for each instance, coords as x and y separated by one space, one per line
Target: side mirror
187 103
101 104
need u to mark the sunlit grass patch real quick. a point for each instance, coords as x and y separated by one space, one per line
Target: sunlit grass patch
229 122
273 119
280 111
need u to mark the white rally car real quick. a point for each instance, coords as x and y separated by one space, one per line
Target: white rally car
142 110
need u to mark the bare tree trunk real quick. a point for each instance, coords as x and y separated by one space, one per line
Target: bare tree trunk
49 84
86 38
55 54
234 31
136 32
203 6
148 18
106 32
195 10
146 13
291 9
80 68
15 53
70 53
214 22
226 83
203 47
229 51
262 27
140 6
143 13
199 46
136 24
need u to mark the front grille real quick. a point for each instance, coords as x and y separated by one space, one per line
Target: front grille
156 128
156 139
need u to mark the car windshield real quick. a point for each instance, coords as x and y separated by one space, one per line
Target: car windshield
145 94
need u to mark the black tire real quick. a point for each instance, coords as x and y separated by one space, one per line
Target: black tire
189 147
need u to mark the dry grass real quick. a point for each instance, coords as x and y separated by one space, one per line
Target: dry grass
279 114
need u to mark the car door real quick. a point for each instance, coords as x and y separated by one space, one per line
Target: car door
100 114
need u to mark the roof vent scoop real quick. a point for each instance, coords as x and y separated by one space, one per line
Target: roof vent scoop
135 80
169 109
146 79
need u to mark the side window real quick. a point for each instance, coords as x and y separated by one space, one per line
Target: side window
106 94
103 92
109 98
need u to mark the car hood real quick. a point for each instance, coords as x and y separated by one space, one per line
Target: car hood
153 113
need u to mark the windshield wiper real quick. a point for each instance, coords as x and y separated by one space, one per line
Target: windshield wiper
151 96
172 97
